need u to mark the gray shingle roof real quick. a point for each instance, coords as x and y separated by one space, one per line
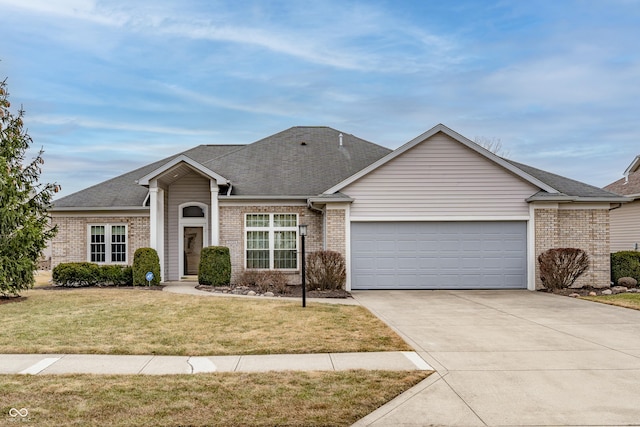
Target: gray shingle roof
123 191
300 161
630 184
626 186
566 186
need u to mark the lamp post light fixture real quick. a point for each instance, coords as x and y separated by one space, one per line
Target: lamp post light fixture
303 233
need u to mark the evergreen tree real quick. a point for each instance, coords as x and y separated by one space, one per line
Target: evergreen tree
24 222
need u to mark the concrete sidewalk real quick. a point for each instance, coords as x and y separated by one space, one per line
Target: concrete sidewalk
42 364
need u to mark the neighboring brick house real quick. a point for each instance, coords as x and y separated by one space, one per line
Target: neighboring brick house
440 212
625 219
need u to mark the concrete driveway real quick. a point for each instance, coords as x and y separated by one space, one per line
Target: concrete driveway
513 358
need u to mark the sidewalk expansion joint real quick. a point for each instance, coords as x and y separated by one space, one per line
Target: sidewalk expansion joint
40 366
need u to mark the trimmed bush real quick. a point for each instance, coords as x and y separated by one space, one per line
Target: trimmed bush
325 270
273 281
76 274
265 280
117 275
145 260
625 264
559 268
215 266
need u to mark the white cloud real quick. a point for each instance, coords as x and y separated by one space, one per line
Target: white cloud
83 122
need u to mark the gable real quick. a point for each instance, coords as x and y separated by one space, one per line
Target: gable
440 177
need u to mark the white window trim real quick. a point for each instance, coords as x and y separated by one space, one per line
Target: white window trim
191 222
107 238
272 229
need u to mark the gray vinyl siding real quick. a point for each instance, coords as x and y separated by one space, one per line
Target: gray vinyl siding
625 227
191 188
166 234
439 178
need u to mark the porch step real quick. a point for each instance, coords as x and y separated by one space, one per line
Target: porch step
189 279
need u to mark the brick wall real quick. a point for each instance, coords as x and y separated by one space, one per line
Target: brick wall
70 244
232 232
336 238
586 229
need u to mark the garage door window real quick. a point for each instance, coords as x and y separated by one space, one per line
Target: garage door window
271 241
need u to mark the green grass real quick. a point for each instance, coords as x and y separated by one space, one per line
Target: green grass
117 321
265 399
622 300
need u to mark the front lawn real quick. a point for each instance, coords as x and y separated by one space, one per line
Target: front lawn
627 300
232 399
117 321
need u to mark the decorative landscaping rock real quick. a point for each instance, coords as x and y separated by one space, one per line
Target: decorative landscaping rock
592 294
633 290
269 294
629 282
574 295
251 293
607 292
619 289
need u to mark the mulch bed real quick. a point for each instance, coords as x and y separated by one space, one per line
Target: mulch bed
70 288
583 292
7 300
291 291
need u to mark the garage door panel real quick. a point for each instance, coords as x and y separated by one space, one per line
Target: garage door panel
438 255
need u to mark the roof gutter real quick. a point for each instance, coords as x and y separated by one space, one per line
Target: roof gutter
313 208
258 197
569 199
97 208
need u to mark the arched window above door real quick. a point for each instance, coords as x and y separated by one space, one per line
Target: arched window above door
192 212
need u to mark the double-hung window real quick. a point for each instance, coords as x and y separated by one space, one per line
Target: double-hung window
107 243
271 241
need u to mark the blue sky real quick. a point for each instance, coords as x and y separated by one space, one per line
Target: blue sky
109 86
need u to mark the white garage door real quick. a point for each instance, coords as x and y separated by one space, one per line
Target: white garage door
439 255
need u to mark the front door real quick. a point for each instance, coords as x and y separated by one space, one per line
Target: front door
192 249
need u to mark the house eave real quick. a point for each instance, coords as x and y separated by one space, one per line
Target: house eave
97 208
575 199
258 197
146 180
632 167
324 200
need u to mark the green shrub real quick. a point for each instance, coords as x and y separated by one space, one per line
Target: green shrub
559 268
326 270
76 274
215 266
145 260
118 275
625 264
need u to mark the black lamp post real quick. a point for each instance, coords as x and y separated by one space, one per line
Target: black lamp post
303 234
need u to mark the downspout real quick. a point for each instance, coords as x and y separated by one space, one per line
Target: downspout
311 207
324 222
617 207
230 188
